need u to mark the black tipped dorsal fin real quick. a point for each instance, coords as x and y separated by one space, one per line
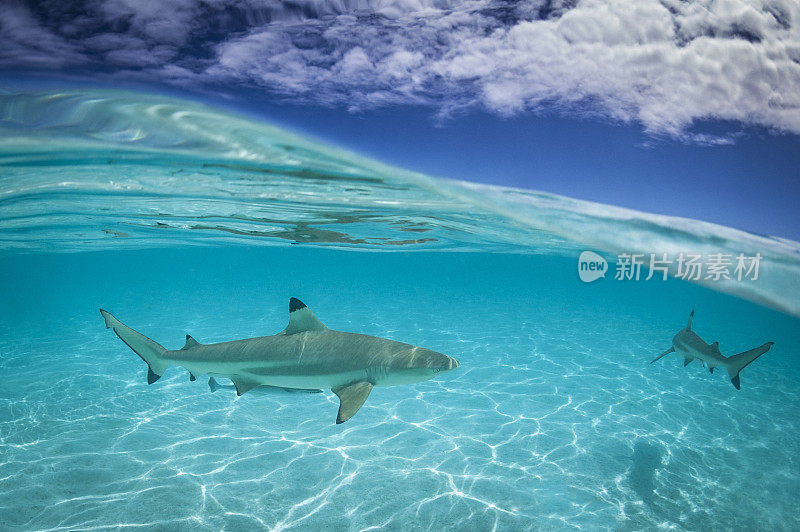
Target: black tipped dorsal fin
190 343
689 325
301 319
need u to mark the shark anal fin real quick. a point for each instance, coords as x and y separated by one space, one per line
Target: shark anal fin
152 376
351 398
301 319
711 369
212 383
665 353
190 343
243 385
686 361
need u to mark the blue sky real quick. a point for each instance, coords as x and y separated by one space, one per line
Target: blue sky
752 184
683 108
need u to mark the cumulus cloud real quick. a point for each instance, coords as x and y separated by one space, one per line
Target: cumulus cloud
26 42
666 64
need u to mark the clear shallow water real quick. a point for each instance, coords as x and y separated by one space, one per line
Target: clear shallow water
555 419
179 219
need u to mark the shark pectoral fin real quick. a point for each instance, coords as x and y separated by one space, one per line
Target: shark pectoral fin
665 353
190 343
243 385
351 397
301 319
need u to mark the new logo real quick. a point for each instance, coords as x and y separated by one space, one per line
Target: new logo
591 266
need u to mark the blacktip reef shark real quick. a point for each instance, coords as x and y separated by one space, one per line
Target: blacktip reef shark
690 346
306 356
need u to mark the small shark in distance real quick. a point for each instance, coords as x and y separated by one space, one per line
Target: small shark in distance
690 346
305 356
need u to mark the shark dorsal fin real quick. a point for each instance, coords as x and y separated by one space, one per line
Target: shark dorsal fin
301 319
715 346
190 343
689 325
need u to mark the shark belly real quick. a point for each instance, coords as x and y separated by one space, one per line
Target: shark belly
282 376
296 361
329 380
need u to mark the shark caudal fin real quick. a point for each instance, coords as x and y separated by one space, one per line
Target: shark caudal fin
737 363
147 349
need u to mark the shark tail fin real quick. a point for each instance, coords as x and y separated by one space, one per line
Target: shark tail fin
737 363
147 349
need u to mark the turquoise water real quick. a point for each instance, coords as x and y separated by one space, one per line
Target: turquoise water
180 218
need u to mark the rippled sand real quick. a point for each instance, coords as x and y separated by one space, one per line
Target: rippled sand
555 419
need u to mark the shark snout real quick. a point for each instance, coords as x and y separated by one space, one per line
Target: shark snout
446 363
433 360
419 364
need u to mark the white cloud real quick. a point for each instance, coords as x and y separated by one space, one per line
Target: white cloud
164 22
666 64
26 43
